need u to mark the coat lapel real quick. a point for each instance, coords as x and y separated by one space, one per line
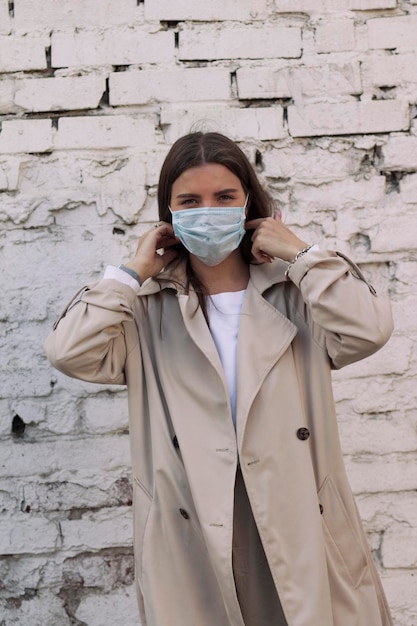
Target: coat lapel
199 331
264 335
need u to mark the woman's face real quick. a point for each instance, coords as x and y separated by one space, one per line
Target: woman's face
210 185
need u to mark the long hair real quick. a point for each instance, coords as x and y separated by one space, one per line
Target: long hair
195 150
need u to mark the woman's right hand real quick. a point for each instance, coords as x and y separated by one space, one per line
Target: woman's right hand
154 251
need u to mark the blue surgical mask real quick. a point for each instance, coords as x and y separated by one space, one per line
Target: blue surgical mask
210 233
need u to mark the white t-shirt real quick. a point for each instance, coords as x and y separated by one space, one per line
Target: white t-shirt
223 311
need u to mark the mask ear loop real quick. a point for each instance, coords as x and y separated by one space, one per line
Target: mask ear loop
245 206
246 203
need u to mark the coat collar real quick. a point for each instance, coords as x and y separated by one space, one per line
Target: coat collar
263 276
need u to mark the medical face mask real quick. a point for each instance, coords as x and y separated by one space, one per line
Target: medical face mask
210 233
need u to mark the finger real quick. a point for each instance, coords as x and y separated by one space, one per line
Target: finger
163 235
169 255
167 241
253 224
259 254
262 257
162 228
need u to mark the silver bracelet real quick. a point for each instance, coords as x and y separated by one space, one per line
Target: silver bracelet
297 256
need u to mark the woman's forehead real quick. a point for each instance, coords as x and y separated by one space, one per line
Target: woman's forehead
208 177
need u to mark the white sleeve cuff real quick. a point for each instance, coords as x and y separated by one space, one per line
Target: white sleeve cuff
114 273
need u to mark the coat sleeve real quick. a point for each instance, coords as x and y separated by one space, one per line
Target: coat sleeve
348 317
88 340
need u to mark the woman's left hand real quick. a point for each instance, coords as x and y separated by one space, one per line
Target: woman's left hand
273 239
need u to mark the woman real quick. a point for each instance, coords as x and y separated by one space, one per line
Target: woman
225 327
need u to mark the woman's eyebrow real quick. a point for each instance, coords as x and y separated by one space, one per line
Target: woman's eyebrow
216 193
230 190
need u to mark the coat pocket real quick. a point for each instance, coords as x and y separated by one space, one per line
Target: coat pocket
344 546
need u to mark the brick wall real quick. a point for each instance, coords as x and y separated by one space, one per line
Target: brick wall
322 95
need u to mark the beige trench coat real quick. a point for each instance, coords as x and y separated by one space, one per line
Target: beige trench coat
185 449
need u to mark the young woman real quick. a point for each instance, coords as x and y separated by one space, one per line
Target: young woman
225 326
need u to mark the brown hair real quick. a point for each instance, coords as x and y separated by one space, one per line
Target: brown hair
195 150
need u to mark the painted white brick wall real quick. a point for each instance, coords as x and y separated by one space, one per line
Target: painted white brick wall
182 85
247 42
29 16
348 118
321 95
59 94
19 53
199 10
335 35
125 45
395 32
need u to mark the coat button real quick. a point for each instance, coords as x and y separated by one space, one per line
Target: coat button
303 434
184 514
321 509
175 442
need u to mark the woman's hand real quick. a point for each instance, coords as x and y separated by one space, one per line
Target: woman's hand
273 239
150 259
